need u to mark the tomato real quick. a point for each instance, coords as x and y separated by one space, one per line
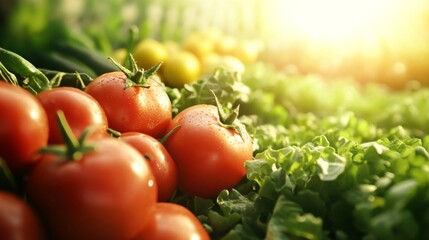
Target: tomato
209 63
17 219
225 45
107 193
135 108
173 221
149 52
198 44
80 109
229 63
171 46
209 157
247 51
180 68
23 127
160 161
119 54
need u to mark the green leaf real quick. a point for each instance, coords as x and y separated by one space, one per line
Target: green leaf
401 193
321 141
220 223
331 167
233 202
258 169
374 149
201 206
240 232
394 224
312 202
290 222
226 85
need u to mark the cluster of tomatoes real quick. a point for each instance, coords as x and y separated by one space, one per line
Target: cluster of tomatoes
197 54
104 161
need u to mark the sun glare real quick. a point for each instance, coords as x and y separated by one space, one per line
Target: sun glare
344 34
339 20
346 22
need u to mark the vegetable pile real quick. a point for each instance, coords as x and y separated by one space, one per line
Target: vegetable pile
258 154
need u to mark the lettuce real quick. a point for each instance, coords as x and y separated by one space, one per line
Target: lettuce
331 160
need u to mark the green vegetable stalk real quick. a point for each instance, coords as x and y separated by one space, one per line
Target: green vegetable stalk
31 78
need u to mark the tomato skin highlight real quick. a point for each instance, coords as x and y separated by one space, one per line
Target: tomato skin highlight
109 193
23 128
160 161
208 156
17 219
173 221
135 109
80 108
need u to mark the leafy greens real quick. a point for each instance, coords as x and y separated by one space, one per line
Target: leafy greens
331 161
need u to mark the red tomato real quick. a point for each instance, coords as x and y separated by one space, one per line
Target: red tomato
160 161
173 221
109 193
80 109
209 157
23 127
134 109
17 219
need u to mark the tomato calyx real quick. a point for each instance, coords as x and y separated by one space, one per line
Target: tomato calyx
114 133
136 77
168 134
229 120
58 77
74 148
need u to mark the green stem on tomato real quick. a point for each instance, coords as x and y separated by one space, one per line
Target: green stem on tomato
114 133
136 76
166 136
64 79
229 120
225 118
74 148
60 78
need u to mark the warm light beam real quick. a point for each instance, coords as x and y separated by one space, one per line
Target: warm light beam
339 20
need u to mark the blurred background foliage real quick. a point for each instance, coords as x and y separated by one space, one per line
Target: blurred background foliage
376 41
